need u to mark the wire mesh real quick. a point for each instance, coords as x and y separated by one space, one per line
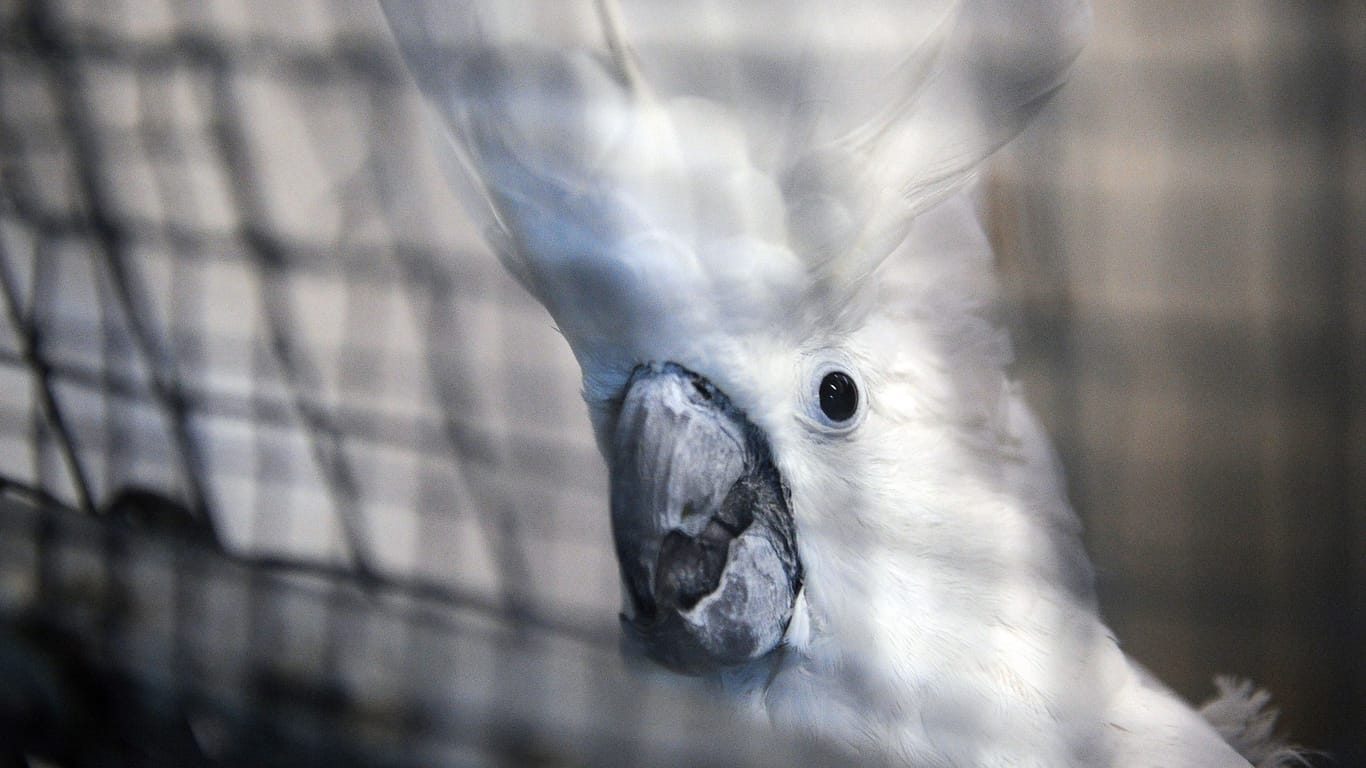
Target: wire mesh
236 290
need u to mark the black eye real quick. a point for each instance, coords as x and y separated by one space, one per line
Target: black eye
839 396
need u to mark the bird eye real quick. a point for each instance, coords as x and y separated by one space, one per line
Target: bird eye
838 396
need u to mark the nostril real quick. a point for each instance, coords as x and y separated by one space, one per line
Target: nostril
702 388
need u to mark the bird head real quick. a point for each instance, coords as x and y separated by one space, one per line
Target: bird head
756 242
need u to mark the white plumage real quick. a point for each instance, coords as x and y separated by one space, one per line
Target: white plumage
782 190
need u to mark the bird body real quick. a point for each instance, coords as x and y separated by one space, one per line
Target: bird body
773 246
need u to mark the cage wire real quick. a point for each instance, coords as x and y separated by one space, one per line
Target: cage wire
294 474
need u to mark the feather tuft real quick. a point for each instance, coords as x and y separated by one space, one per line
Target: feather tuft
1244 717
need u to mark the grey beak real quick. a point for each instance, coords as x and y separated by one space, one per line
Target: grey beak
702 523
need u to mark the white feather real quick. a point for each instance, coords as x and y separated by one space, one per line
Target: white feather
781 189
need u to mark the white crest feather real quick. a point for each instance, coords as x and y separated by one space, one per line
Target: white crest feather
618 162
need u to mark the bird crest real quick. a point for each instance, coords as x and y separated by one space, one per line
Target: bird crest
643 182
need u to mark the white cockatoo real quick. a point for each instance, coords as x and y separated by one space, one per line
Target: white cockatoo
754 225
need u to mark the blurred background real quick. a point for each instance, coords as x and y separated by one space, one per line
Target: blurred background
234 281
1186 252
